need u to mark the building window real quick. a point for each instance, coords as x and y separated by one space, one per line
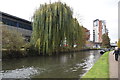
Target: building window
96 23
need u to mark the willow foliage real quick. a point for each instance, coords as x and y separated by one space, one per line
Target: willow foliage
53 24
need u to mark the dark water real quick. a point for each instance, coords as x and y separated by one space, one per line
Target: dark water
69 65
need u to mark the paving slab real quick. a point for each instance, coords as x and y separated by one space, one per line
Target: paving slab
113 66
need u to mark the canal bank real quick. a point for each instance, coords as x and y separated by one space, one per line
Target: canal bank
105 67
100 68
10 54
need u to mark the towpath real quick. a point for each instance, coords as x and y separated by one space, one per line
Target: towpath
113 66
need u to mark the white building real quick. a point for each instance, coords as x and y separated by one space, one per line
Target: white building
99 28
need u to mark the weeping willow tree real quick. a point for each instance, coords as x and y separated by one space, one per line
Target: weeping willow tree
54 26
78 34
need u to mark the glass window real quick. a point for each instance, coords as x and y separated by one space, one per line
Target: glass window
96 23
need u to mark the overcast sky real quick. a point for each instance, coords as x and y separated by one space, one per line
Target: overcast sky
84 10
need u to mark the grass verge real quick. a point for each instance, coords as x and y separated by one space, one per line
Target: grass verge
100 68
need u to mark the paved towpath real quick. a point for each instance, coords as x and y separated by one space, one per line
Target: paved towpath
113 66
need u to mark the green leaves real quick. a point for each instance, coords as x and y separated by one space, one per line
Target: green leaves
37 45
54 26
105 41
11 39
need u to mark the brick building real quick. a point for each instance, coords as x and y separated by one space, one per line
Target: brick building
87 34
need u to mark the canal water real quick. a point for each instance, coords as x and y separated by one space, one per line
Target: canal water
68 65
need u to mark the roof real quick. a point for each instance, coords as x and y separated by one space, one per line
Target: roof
14 17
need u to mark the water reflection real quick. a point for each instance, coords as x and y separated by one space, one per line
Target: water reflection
89 62
69 65
19 73
63 59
